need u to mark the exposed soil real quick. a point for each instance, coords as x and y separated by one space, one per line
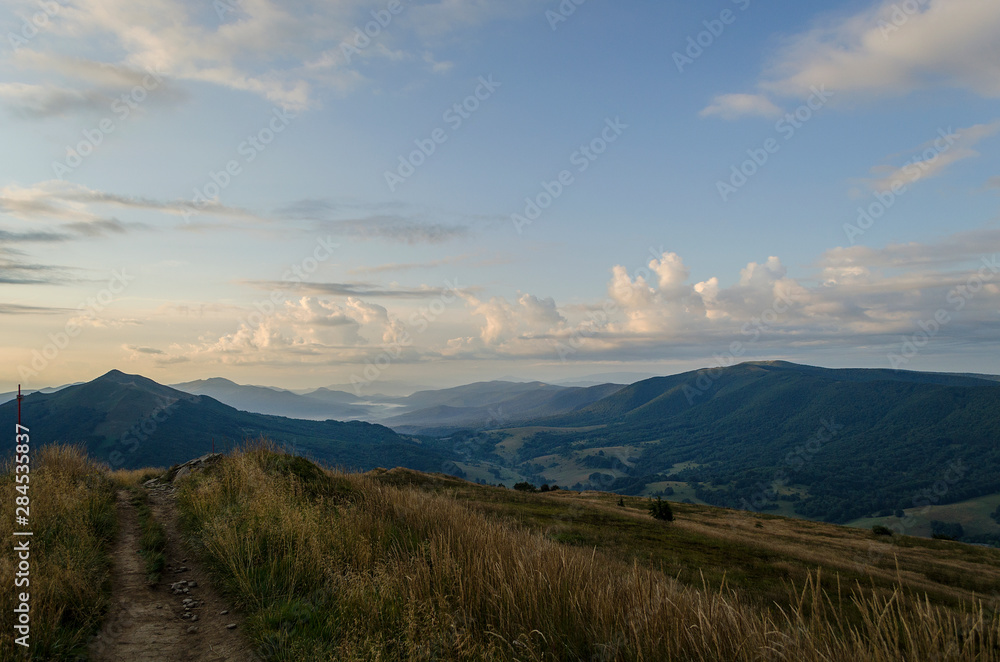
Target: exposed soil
148 622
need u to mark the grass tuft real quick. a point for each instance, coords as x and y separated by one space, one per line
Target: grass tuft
74 524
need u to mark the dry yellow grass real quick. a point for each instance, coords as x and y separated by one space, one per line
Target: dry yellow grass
72 518
346 567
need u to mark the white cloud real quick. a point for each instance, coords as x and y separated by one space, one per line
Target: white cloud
934 157
887 51
731 106
283 52
854 297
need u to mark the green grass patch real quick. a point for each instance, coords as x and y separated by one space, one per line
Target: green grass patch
152 536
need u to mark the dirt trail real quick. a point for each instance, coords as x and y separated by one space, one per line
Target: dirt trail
148 623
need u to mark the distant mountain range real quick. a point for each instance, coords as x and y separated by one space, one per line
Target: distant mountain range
433 412
321 404
834 445
130 421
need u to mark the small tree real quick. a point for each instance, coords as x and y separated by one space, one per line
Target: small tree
544 488
621 502
660 509
525 486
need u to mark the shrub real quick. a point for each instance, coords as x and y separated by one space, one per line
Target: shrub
525 486
946 530
880 530
661 509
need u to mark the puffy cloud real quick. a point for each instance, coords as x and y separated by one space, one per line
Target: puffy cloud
852 297
506 321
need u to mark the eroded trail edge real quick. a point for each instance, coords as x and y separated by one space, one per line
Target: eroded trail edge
182 618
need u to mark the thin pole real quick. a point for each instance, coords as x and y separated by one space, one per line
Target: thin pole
19 398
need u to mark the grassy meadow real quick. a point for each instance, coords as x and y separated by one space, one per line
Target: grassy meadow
401 565
397 565
72 517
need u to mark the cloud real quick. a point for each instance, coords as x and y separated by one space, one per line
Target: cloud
506 321
19 309
934 157
731 106
392 222
75 205
368 290
14 270
41 101
397 229
137 349
851 297
891 50
476 259
284 53
306 329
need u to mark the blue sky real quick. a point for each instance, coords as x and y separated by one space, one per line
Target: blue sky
125 243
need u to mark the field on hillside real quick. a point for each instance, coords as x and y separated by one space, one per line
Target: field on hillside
403 565
972 514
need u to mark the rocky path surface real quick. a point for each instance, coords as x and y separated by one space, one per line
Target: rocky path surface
182 618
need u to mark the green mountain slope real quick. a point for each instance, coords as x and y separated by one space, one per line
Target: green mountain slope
838 444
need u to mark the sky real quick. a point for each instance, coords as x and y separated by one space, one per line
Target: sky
437 192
